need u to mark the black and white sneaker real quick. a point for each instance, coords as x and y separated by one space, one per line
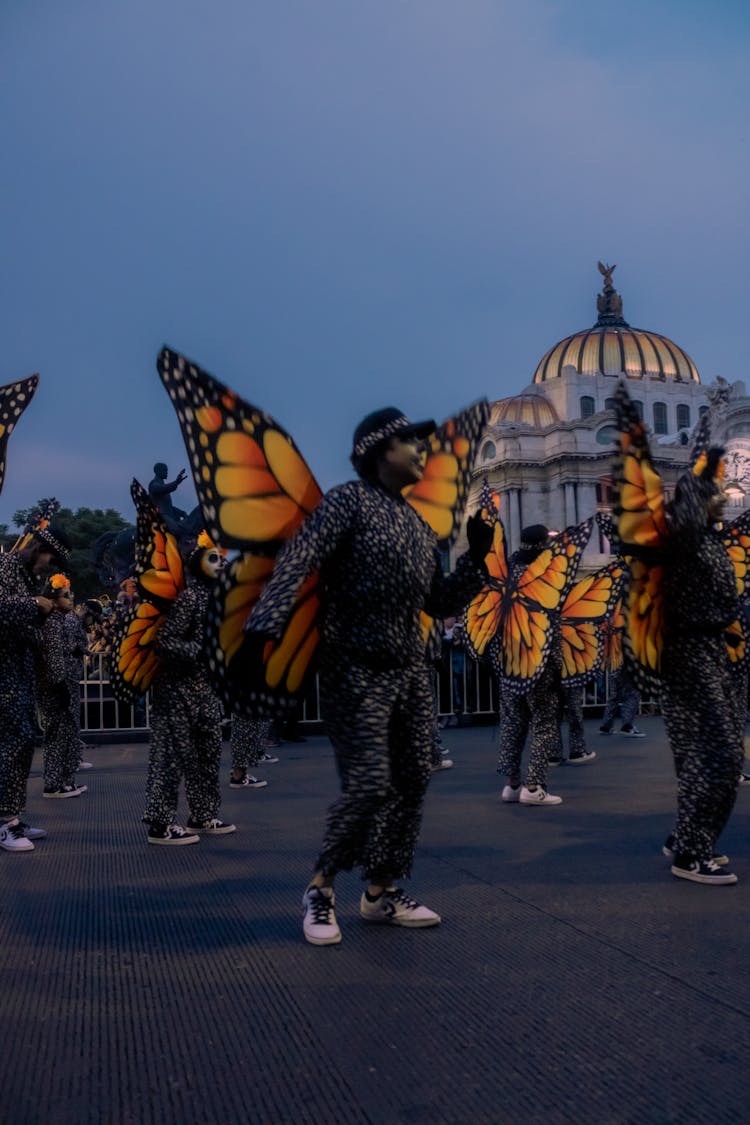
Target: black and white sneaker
702 871
268 759
247 781
632 732
319 924
12 837
604 729
212 827
581 756
668 851
172 834
395 907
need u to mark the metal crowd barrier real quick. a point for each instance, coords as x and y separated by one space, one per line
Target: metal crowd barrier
465 689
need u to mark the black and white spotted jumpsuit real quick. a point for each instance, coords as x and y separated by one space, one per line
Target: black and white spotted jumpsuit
185 717
19 645
379 567
700 700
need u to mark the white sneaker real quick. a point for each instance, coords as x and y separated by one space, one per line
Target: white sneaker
510 794
212 827
85 765
538 796
66 791
12 837
396 908
632 732
319 924
444 764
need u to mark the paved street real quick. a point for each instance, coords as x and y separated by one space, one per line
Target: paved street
573 979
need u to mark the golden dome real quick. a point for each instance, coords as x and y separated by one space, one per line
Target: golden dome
612 347
530 408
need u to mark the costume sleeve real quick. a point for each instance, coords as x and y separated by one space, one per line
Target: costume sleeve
178 636
317 540
450 594
16 610
53 649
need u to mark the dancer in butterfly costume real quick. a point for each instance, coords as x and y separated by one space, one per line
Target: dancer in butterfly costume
684 635
379 567
185 716
59 700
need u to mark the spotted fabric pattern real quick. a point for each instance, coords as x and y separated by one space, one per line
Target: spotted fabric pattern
379 568
246 741
59 704
571 712
185 717
534 716
19 644
703 697
14 398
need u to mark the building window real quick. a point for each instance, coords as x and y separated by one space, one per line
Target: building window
610 404
588 406
701 411
683 416
605 493
488 451
660 417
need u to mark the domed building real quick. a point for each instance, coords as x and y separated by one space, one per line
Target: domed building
548 450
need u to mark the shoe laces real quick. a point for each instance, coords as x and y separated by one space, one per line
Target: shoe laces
320 905
400 896
712 866
16 830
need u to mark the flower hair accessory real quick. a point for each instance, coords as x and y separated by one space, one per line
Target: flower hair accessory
206 543
59 582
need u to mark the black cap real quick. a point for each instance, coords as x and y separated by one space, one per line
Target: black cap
385 423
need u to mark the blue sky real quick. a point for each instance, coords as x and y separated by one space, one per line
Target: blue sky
335 205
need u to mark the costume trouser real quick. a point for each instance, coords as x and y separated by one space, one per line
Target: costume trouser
185 743
538 713
623 694
571 700
380 724
700 704
17 735
62 748
246 742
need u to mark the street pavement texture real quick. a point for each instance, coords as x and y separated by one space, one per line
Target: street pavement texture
573 978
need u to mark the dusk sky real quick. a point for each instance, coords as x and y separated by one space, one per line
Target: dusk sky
335 205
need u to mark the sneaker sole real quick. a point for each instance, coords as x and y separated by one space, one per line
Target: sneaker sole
540 804
64 796
322 941
258 785
581 761
15 848
710 880
215 831
175 843
417 924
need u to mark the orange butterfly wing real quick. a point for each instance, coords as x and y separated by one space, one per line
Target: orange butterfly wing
161 578
736 536
134 658
589 604
481 618
528 629
440 496
14 398
255 491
